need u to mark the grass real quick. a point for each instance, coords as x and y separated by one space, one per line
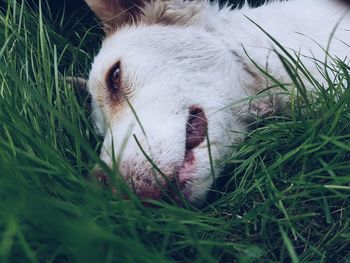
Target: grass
286 196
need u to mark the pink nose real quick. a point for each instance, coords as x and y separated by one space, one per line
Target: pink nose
141 185
101 176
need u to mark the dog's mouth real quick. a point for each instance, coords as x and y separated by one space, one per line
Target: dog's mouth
196 128
196 132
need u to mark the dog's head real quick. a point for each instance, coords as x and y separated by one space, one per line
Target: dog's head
161 86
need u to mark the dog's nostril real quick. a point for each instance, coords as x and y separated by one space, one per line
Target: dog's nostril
196 128
101 176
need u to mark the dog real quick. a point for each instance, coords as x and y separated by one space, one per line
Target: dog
170 83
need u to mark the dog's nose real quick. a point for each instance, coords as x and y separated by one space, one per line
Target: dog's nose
101 176
146 192
142 185
143 179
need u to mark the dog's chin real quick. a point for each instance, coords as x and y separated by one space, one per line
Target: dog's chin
193 177
186 173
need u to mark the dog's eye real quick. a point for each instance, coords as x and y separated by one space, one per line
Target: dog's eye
113 80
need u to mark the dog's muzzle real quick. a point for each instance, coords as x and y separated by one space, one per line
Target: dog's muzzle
146 181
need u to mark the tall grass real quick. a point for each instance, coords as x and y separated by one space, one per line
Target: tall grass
285 197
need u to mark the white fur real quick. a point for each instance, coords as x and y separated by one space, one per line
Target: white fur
172 67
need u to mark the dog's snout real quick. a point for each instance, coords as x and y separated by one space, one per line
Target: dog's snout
141 184
145 181
156 180
101 176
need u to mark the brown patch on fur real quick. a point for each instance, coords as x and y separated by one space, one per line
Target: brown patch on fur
115 14
110 101
171 12
257 83
266 104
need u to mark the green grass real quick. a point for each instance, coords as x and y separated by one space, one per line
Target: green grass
286 196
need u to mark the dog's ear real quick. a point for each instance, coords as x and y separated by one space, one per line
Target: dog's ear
114 13
77 82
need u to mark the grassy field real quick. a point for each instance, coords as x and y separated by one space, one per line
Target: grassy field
285 195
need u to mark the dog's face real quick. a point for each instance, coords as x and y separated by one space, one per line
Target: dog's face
158 90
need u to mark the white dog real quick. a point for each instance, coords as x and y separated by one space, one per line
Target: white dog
169 73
